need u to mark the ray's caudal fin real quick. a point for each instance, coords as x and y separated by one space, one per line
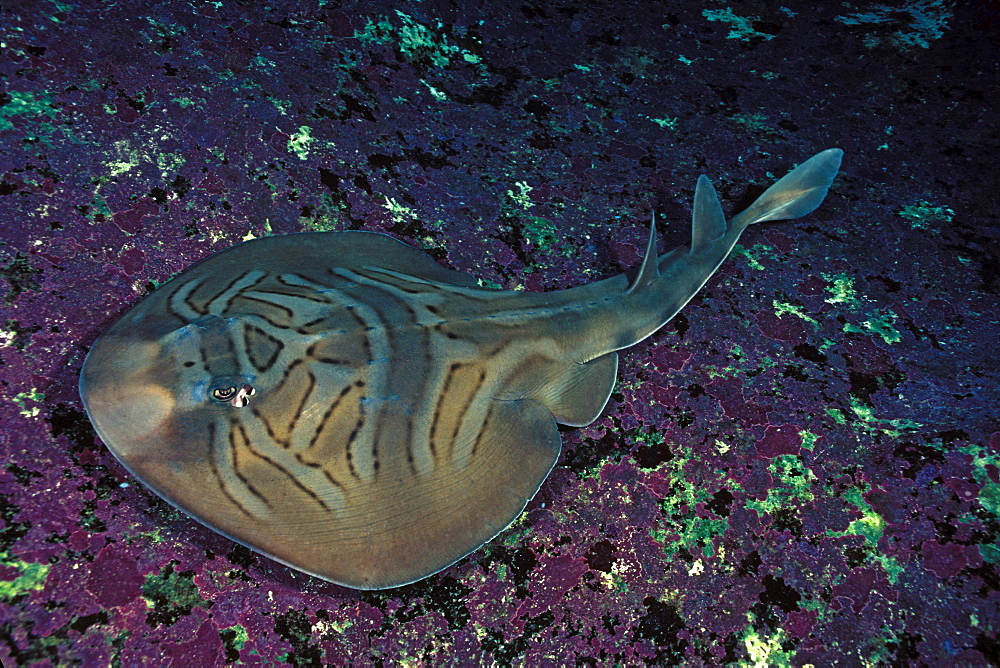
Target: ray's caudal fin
798 193
666 283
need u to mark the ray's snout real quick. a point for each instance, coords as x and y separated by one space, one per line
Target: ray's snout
121 390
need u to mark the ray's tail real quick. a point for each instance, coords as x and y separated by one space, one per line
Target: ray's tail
796 194
665 283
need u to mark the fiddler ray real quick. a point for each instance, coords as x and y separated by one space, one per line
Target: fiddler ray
343 404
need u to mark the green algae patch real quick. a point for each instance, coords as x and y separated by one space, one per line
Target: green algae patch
766 650
666 123
235 637
25 104
923 215
989 492
808 439
522 197
756 124
842 291
784 308
890 565
870 525
141 537
912 25
740 27
540 232
416 40
169 595
31 577
755 254
872 322
747 365
879 324
30 402
169 163
488 284
990 553
989 498
695 535
400 213
792 487
300 141
680 527
870 423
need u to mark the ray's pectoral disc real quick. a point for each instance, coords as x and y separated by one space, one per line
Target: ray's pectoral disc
343 404
351 421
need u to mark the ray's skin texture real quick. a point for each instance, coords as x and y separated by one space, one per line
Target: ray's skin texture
341 403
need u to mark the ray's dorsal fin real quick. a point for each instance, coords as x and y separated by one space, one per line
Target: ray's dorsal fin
708 223
649 270
797 193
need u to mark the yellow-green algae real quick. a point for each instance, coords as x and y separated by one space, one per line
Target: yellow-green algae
765 650
31 578
36 400
792 486
989 492
923 214
784 308
866 421
25 104
173 589
876 321
680 517
415 39
300 141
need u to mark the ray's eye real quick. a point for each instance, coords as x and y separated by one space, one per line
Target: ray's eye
237 397
223 394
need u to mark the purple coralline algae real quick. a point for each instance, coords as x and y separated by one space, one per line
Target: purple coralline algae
802 467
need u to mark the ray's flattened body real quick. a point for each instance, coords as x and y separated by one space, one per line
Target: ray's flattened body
341 403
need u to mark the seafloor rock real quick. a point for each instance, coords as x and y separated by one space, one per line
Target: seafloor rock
801 468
